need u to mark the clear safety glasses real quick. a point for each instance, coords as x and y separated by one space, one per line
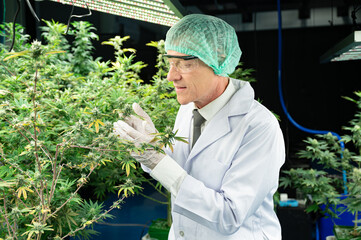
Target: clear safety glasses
182 64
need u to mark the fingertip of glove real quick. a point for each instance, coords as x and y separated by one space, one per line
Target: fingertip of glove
116 123
136 106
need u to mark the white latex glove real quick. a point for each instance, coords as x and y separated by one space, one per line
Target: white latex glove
145 125
139 131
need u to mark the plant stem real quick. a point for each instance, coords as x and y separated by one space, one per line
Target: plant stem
157 189
80 185
53 185
356 219
41 195
7 69
20 170
43 148
94 148
7 220
17 129
34 122
115 204
57 151
55 175
169 209
153 199
6 216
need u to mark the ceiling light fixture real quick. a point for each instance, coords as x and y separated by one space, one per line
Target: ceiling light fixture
163 12
348 49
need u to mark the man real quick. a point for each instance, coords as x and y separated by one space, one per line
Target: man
222 183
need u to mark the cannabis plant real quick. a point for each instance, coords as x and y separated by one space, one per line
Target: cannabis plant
326 188
56 133
37 144
18 39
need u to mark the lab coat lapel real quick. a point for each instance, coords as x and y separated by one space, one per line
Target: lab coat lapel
220 125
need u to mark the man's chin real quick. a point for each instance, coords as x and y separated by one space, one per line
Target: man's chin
183 101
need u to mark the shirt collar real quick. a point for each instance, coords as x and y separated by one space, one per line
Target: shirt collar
213 107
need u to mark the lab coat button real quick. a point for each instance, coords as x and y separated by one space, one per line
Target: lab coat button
181 233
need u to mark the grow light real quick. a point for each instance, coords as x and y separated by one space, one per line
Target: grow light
163 12
347 49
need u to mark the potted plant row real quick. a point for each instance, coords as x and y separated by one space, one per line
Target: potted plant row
332 187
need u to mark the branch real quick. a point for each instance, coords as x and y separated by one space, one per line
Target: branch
115 204
55 181
155 187
153 199
42 187
34 123
56 152
17 129
23 172
94 148
6 219
13 74
7 69
7 222
80 185
43 148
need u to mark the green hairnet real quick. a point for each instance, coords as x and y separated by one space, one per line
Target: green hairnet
210 39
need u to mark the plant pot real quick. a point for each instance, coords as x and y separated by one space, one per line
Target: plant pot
344 233
326 224
159 229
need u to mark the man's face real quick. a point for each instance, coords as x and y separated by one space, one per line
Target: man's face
198 85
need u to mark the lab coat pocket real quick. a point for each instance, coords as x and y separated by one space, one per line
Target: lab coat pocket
224 154
212 172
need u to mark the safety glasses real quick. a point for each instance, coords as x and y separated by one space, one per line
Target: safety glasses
182 64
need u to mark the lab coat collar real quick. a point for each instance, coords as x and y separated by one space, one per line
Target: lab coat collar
213 107
242 99
238 105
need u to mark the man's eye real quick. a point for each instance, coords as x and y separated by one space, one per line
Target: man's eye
187 65
173 64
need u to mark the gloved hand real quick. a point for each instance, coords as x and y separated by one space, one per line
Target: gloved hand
139 131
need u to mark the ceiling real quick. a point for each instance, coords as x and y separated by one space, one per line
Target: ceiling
220 7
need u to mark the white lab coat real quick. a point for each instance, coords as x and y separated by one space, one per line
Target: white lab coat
233 172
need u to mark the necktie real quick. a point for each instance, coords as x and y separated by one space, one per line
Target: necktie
197 122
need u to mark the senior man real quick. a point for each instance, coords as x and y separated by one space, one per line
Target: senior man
222 182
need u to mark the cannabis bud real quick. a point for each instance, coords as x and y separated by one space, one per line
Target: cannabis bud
36 49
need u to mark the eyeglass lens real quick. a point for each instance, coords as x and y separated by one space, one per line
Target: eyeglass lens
183 66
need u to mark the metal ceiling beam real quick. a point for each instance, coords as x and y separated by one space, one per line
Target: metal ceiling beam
176 7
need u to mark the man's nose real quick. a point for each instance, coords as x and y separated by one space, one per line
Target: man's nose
173 74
